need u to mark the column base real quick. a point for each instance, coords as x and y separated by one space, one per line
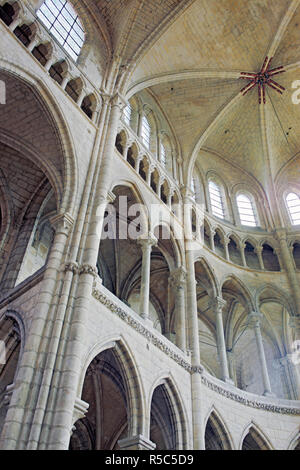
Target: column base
269 394
136 443
228 381
147 320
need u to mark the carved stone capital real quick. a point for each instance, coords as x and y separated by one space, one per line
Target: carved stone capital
136 443
62 223
72 267
8 394
226 240
178 277
79 412
150 241
197 369
187 194
255 319
119 101
88 269
281 234
287 360
295 322
217 304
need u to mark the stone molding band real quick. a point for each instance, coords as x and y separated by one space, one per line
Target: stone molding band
84 269
232 395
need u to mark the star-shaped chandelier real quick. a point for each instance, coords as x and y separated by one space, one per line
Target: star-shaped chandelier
262 79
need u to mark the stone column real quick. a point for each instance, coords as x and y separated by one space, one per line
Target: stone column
136 443
146 244
192 325
242 251
277 252
291 365
212 239
169 197
193 335
48 64
126 148
103 184
140 123
294 358
178 282
174 164
258 250
231 366
255 320
16 22
81 97
65 81
25 414
149 173
137 163
218 304
159 141
289 266
79 412
66 394
295 325
226 243
158 186
32 44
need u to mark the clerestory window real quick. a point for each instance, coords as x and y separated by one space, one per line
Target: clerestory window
293 204
146 132
127 114
246 211
63 22
163 158
217 206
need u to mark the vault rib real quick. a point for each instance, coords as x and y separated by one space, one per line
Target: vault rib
282 28
182 75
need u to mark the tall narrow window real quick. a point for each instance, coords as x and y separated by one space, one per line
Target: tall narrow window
146 132
246 210
193 188
163 155
63 22
127 114
293 203
216 202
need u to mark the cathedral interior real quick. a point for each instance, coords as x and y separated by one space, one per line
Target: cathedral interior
149 225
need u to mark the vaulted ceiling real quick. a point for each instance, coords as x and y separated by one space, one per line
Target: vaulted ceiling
191 62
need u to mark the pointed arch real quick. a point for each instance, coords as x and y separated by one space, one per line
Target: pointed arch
215 424
176 248
53 112
237 288
257 438
208 270
137 195
179 435
294 441
132 381
277 294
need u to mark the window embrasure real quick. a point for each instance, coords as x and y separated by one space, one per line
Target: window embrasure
246 210
63 22
127 114
146 132
216 201
293 205
163 155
